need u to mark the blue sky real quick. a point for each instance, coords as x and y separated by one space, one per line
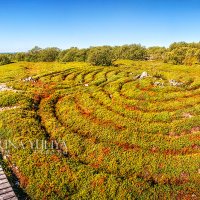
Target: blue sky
84 23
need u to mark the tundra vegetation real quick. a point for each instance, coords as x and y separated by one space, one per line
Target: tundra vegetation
131 129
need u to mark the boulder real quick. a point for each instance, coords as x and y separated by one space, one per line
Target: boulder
3 87
143 75
157 83
175 83
28 79
187 115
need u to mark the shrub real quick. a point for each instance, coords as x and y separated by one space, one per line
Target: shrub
4 59
100 56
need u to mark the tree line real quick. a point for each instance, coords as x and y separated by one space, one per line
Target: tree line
177 53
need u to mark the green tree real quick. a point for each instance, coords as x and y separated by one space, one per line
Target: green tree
49 54
131 52
100 56
4 59
190 57
33 55
177 45
156 53
176 56
35 49
197 55
69 55
20 56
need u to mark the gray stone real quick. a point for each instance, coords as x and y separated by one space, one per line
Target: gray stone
28 79
143 75
3 87
175 83
157 83
187 115
8 108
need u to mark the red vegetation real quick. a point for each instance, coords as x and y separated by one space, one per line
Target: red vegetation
127 146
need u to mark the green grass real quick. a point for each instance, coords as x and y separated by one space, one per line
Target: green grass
125 138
